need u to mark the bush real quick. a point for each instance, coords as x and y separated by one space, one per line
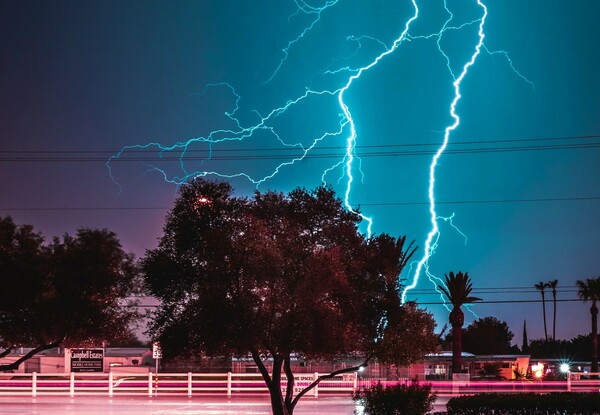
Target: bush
400 399
557 403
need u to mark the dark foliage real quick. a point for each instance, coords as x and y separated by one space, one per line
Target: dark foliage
484 336
577 349
74 291
562 403
400 399
277 275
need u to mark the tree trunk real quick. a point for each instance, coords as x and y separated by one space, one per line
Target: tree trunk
544 311
281 405
594 311
457 319
456 349
277 405
554 318
273 382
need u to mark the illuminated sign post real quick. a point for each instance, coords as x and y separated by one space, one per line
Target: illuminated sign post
156 355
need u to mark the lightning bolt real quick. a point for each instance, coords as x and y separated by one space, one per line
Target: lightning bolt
302 7
432 240
241 133
351 140
264 125
433 236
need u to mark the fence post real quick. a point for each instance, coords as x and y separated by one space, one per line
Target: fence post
110 384
355 382
316 389
228 383
34 384
190 384
568 381
150 384
72 385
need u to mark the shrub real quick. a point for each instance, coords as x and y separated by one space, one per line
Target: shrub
400 399
557 403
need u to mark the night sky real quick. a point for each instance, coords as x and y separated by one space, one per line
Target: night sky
81 80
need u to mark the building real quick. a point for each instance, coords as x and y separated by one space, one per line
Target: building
438 366
59 360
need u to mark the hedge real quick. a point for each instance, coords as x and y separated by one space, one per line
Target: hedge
400 399
557 403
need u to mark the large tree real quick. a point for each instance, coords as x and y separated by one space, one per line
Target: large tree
457 288
487 335
589 290
74 291
277 275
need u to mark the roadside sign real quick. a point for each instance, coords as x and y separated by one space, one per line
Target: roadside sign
156 351
87 360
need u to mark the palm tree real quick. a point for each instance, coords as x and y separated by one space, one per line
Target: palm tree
491 371
589 290
541 287
457 288
552 284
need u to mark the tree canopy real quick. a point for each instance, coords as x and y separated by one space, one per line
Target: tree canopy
276 275
488 335
73 291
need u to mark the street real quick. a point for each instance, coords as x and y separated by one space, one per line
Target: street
204 405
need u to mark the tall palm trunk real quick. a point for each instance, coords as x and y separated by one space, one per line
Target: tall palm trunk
544 312
457 319
554 318
541 286
552 284
594 311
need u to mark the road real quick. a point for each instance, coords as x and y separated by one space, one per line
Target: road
203 405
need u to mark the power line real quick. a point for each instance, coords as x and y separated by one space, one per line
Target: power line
292 148
462 202
382 204
501 301
300 153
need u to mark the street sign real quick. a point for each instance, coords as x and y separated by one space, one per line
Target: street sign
156 351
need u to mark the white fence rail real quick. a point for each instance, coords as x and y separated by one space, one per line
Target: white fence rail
190 384
153 384
583 382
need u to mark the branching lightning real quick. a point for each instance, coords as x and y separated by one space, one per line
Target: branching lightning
433 235
431 243
302 7
344 130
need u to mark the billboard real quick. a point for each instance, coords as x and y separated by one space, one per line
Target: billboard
87 360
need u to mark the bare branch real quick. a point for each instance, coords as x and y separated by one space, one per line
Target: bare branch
330 376
7 351
15 365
